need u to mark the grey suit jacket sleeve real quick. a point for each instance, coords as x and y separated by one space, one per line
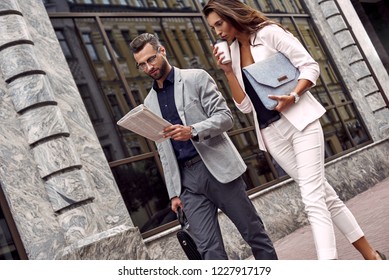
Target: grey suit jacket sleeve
205 109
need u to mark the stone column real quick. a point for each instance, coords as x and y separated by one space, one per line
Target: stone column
355 66
58 185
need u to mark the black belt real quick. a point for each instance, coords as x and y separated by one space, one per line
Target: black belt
268 122
188 163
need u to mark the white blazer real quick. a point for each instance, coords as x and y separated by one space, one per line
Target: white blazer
264 43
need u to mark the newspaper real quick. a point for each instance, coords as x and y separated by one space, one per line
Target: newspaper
145 123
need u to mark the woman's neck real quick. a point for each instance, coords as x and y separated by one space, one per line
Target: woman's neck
243 39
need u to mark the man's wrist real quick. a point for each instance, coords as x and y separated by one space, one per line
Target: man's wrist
193 133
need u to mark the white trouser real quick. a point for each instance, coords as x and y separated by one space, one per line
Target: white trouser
301 155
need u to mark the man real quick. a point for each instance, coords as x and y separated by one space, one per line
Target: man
202 167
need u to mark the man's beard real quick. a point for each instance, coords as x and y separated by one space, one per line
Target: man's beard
162 71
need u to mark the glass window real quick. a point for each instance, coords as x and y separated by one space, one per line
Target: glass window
7 246
375 16
113 102
89 103
114 43
139 3
89 45
123 2
64 45
144 193
261 168
277 6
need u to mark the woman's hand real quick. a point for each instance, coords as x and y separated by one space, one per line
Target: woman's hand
227 68
284 101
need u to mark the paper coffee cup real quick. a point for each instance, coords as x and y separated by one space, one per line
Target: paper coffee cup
225 49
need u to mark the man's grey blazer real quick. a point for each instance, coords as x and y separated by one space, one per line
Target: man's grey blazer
200 105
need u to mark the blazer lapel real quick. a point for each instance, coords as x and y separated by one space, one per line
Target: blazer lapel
179 94
235 53
153 103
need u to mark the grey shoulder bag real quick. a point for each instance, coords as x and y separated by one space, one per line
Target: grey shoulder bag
275 75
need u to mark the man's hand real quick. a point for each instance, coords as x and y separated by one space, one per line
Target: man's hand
176 202
178 132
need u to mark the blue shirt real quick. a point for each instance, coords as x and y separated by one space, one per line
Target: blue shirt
264 116
184 150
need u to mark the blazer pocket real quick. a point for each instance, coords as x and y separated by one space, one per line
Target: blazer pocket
215 141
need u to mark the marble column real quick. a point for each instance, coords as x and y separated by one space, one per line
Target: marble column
58 185
356 61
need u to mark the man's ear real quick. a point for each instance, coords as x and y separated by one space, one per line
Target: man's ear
162 50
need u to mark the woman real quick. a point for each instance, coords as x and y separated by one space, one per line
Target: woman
291 132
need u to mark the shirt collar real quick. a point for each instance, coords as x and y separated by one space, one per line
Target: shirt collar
169 80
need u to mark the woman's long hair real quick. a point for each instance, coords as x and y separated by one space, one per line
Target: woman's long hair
241 16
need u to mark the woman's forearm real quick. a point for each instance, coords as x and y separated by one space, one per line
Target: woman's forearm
237 92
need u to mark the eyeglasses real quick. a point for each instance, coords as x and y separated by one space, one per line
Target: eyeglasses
152 60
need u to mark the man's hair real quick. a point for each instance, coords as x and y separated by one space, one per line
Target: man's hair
140 42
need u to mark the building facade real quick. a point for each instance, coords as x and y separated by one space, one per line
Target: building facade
74 185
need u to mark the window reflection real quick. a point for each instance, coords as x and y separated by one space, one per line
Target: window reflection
144 194
274 6
7 246
89 46
261 169
63 43
357 131
89 103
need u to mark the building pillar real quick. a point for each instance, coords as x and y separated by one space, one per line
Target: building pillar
58 185
355 61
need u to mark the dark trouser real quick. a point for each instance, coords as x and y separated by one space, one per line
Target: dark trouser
202 195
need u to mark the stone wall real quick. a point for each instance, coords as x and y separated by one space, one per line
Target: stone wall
55 177
356 59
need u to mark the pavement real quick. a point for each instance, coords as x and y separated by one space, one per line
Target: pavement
370 208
